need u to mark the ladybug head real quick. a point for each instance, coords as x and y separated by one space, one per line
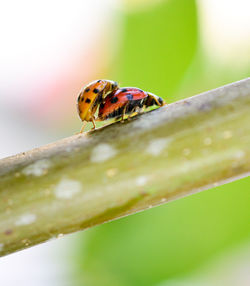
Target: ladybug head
113 85
161 101
155 100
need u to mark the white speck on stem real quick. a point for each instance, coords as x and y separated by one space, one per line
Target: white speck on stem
227 134
141 181
69 149
1 246
38 168
207 141
112 172
156 146
186 151
102 152
239 154
67 188
26 219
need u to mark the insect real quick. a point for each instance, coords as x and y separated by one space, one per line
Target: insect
127 100
91 96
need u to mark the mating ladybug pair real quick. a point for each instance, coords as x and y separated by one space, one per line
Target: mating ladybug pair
113 102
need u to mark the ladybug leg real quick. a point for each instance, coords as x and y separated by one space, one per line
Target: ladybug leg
124 112
131 115
93 122
141 110
118 118
134 112
83 126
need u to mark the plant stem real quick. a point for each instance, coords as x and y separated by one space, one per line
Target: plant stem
123 168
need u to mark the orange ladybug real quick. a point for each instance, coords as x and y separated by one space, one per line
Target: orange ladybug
91 96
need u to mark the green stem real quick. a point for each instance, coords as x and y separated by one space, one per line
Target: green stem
91 178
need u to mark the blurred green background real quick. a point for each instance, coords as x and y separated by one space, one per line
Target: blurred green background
161 51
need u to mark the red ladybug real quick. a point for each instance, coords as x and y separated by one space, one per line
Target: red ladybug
127 100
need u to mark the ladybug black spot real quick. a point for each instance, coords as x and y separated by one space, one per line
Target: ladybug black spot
87 89
114 99
82 99
99 80
87 100
129 96
124 90
96 90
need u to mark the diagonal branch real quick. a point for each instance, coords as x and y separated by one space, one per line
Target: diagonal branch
91 178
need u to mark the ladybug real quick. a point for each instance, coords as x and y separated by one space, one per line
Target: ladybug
91 96
127 100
